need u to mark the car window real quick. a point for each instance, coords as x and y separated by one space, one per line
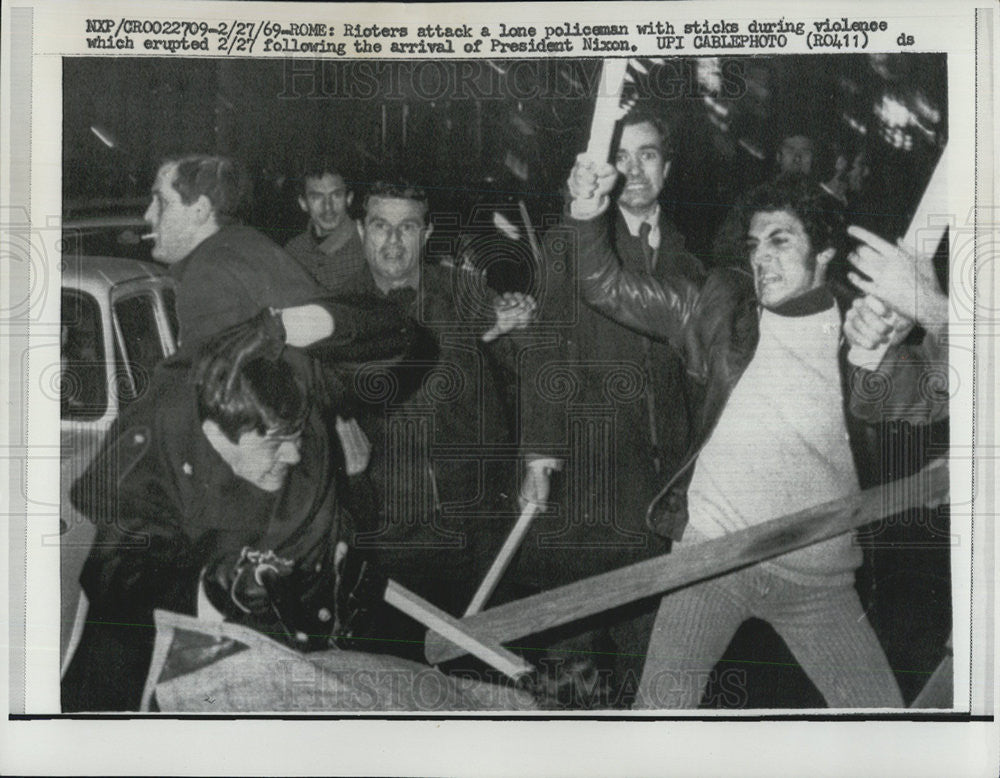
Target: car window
140 349
83 386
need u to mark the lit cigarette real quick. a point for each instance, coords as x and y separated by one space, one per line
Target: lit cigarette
148 236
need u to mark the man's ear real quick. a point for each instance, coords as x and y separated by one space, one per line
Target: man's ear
824 257
350 199
203 210
360 224
666 169
427 232
303 205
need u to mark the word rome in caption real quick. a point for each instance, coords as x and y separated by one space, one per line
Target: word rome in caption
499 39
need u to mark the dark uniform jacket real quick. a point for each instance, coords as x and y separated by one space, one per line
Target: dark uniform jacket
715 326
167 506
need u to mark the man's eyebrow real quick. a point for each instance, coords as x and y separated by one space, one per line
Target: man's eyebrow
774 230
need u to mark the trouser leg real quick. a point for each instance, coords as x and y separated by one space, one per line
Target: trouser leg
693 627
826 629
629 633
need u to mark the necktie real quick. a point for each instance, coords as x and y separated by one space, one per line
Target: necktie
647 252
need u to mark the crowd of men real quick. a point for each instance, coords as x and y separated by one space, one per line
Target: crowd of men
341 411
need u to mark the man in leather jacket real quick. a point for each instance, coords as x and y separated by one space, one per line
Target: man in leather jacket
765 362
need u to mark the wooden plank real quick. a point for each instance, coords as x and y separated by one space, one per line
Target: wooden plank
607 109
499 566
690 564
451 629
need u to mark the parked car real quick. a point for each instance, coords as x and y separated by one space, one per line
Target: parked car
118 322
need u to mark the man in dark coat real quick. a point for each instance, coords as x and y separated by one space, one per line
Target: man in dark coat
602 405
227 272
441 429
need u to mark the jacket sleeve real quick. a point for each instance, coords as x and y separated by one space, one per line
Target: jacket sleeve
552 349
140 559
911 382
659 308
229 286
367 328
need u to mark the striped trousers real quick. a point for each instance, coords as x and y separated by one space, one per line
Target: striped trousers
825 628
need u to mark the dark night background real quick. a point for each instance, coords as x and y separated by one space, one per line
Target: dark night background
482 136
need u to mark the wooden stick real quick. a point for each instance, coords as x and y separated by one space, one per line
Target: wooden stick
450 628
607 109
161 650
688 565
513 541
499 566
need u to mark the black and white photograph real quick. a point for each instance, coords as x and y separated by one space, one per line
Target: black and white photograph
331 327
526 368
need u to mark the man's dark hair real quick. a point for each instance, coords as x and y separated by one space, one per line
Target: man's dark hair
264 397
317 166
793 128
806 201
221 179
642 114
400 190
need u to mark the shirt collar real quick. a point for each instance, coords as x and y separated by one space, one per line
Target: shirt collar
634 222
813 301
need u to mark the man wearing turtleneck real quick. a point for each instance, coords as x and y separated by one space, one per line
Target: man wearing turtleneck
742 480
770 436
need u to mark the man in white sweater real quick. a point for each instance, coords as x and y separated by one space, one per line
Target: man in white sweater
772 434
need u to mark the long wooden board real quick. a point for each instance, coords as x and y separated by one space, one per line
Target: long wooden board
690 564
